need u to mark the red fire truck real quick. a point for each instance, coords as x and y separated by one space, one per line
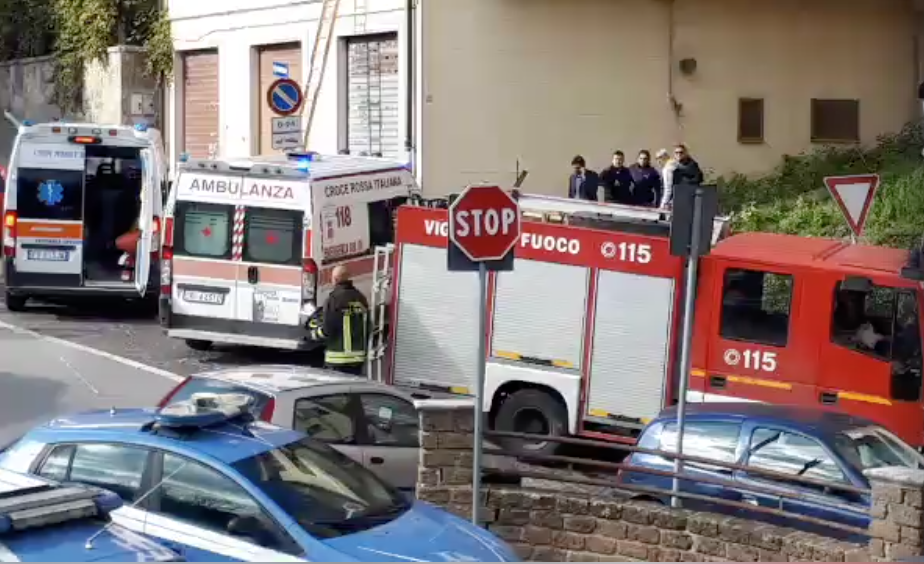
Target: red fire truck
582 335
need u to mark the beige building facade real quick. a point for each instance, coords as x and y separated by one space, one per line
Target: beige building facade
742 82
480 88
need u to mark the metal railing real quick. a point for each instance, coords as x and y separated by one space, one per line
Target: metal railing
691 462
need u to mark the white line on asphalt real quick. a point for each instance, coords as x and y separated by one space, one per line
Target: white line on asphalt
120 359
79 376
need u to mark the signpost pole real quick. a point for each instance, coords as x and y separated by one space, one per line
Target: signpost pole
479 392
686 338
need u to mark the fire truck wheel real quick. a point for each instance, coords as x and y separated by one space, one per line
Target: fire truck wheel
197 345
15 303
534 412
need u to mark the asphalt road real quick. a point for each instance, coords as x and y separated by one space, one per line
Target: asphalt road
42 378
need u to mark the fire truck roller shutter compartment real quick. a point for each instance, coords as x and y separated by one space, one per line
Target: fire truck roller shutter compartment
436 338
631 346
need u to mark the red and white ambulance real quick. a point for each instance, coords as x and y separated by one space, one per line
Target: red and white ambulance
250 245
582 334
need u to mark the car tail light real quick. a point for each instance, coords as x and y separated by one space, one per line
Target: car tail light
268 410
170 395
10 220
309 279
155 238
166 257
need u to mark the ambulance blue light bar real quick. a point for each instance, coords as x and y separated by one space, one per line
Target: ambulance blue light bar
142 127
28 502
204 410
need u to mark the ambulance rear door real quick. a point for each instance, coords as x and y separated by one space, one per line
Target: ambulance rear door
47 193
269 232
150 196
204 273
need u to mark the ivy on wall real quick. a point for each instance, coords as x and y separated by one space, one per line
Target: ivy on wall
78 32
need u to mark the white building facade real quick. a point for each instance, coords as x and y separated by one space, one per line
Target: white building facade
486 87
226 52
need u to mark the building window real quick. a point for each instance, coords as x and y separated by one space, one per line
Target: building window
835 121
750 120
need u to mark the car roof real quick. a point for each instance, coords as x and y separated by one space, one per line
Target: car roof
226 442
809 420
815 252
274 379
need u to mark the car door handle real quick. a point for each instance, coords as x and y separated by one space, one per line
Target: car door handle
376 460
253 274
750 500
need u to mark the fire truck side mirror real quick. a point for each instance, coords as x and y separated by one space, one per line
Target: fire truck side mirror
857 284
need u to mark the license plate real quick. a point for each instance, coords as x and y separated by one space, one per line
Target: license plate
200 297
47 255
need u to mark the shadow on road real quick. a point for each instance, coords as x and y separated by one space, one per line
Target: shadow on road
96 310
26 401
238 355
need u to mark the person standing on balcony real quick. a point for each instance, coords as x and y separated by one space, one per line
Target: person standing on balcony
617 181
646 181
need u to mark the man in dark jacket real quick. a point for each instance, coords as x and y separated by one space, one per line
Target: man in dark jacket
685 170
646 181
343 324
584 182
617 181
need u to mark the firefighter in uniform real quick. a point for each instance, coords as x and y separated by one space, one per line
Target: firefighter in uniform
343 324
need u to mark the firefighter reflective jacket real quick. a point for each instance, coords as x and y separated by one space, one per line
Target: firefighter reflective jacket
344 325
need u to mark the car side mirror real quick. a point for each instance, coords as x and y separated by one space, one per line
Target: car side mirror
245 526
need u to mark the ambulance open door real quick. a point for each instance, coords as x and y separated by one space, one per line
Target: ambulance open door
149 191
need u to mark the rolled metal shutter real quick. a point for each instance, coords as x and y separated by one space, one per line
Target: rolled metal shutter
436 340
200 103
632 333
290 54
373 96
539 311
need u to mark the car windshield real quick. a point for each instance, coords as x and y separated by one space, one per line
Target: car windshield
327 493
874 447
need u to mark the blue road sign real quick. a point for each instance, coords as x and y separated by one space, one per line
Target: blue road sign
280 69
284 97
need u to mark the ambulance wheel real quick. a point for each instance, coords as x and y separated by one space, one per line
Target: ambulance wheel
534 412
15 303
198 345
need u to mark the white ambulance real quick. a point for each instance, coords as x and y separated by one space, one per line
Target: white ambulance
249 246
73 189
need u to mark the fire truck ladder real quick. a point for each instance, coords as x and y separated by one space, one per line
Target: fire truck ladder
318 63
382 270
554 209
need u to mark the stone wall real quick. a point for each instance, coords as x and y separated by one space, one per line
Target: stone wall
558 526
115 92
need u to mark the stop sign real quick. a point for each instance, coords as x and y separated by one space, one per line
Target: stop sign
484 223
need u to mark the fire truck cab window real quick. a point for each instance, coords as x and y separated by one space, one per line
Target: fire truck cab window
882 323
756 306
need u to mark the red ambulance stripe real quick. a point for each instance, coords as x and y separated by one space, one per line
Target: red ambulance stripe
273 274
205 269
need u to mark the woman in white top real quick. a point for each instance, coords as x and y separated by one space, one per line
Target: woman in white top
668 165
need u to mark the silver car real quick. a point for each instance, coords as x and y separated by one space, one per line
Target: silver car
372 423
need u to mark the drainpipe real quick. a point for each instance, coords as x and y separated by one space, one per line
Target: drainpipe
409 141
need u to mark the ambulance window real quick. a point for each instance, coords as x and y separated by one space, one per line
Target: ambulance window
205 230
49 194
273 236
756 306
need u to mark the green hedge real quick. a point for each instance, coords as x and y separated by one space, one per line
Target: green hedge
793 199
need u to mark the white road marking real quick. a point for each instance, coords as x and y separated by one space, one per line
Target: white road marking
77 346
78 375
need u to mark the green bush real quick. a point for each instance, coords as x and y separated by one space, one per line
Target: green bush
792 199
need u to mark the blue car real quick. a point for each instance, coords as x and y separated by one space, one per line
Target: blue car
791 440
215 485
43 521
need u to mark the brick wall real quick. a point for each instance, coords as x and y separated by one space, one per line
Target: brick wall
553 526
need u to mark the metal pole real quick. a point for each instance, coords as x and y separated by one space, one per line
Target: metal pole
686 337
479 392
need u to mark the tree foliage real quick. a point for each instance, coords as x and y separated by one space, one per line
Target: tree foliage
79 32
792 199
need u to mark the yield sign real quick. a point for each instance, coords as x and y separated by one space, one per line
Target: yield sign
854 195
